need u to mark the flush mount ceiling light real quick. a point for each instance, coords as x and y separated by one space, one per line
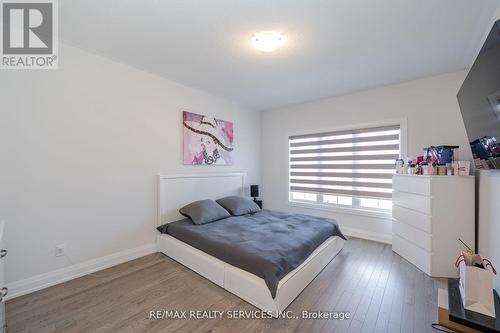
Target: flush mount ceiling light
268 41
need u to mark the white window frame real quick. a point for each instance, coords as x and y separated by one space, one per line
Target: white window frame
353 210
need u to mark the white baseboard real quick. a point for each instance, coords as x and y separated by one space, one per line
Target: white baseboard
38 282
370 235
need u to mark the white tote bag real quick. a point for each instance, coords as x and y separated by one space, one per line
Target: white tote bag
476 288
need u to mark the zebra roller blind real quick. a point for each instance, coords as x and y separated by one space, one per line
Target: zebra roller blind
355 163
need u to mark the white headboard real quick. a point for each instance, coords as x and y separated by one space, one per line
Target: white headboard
176 191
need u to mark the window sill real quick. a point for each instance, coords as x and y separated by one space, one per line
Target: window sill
344 210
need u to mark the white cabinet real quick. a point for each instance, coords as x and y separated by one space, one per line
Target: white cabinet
489 219
430 214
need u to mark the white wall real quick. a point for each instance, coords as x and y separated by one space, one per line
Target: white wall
80 148
433 117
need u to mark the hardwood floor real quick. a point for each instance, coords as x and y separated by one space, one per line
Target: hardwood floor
382 291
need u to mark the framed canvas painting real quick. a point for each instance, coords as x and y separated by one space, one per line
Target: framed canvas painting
207 140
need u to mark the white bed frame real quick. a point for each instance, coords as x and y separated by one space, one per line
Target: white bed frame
175 191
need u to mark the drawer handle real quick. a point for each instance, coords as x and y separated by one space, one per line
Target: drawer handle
3 292
3 253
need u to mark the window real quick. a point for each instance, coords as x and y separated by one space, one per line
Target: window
345 168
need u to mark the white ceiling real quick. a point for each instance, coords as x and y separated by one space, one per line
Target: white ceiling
333 46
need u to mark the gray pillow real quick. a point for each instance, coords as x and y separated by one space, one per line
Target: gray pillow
238 205
204 211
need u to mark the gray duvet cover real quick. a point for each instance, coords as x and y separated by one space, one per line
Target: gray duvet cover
268 244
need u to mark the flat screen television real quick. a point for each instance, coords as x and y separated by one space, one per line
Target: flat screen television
479 99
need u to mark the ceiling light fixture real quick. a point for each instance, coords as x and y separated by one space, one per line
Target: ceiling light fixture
268 41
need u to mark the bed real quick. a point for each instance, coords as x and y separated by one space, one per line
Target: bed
273 297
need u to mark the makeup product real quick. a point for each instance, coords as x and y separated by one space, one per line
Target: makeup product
412 170
399 165
425 169
449 169
455 168
463 168
441 170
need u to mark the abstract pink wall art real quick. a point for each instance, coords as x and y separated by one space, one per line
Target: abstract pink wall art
207 140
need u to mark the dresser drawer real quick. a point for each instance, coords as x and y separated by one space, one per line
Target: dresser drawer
414 254
414 235
412 201
416 219
413 184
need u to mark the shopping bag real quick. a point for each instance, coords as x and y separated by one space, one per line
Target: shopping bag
476 286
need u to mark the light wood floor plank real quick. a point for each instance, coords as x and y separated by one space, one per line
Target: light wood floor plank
372 257
382 291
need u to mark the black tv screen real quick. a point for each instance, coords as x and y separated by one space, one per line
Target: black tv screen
479 99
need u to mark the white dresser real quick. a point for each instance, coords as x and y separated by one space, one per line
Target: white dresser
430 214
